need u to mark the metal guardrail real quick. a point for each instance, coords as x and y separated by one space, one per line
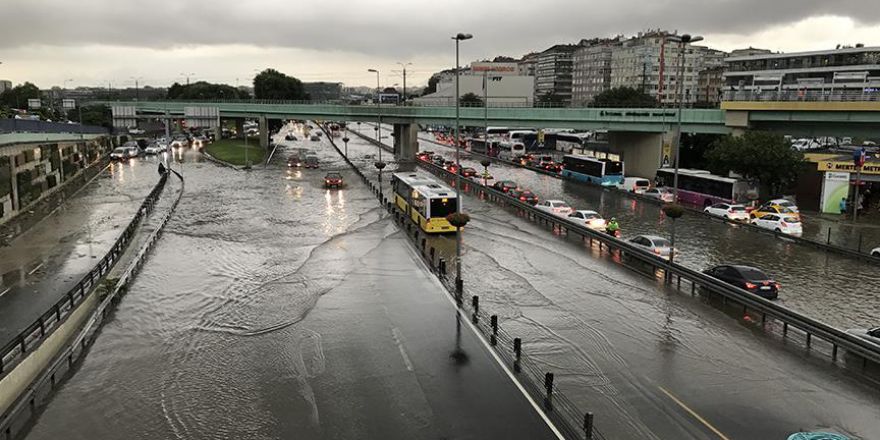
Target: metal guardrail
32 336
673 272
11 125
827 246
840 94
76 348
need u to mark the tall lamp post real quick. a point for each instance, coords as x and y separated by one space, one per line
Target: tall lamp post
137 94
684 40
379 113
458 39
404 79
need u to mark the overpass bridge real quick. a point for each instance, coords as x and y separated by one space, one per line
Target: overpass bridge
642 136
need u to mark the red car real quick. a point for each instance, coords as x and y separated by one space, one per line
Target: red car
523 195
504 185
552 167
468 172
333 180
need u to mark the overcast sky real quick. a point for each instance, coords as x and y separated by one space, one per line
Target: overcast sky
96 41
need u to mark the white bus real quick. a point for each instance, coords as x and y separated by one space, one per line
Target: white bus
510 150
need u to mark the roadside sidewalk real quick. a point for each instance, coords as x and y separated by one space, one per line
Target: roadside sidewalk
44 262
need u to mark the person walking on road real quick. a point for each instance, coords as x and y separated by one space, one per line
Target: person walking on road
843 206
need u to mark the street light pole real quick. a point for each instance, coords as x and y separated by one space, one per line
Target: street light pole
486 109
458 39
682 42
378 114
187 75
137 95
404 79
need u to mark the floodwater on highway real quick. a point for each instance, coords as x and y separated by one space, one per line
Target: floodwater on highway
832 288
638 354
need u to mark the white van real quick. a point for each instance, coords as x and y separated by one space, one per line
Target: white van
636 185
511 150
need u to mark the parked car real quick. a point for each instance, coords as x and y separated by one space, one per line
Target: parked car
766 210
653 243
504 185
311 162
333 180
661 194
728 211
590 219
785 223
636 185
523 195
746 277
556 207
868 334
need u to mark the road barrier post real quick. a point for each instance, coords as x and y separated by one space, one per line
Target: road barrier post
588 425
475 302
517 347
493 320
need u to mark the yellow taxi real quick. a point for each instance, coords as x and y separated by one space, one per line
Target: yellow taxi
774 209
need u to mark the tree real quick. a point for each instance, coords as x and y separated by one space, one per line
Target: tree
272 84
550 99
470 100
17 96
623 97
205 90
765 157
96 115
694 148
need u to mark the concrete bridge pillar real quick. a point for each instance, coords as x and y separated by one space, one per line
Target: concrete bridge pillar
406 143
264 132
643 153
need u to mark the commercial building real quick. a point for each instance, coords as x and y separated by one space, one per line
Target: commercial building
553 72
502 83
650 62
710 81
843 74
5 85
323 91
527 64
591 73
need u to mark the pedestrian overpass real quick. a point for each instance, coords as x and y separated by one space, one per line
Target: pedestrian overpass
642 136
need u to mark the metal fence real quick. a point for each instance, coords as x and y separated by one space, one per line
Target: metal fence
830 95
17 418
11 125
29 339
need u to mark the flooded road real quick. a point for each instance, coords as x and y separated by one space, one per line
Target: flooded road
838 290
649 361
275 308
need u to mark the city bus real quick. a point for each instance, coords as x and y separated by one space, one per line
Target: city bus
605 172
425 201
480 146
702 188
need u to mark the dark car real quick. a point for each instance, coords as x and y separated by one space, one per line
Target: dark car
333 180
467 172
315 138
439 160
749 278
523 195
552 167
504 185
311 162
289 137
450 166
294 161
525 159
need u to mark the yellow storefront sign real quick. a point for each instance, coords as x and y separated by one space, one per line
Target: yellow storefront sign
847 167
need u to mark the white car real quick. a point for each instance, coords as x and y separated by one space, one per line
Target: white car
653 243
875 252
153 149
784 203
728 211
590 219
661 194
868 334
805 144
785 224
120 153
556 207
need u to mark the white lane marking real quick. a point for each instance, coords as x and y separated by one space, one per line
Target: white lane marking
396 334
464 317
4 292
35 269
694 414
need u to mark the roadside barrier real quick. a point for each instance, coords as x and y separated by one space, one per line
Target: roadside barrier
26 406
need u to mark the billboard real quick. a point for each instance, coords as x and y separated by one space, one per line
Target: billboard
835 186
124 116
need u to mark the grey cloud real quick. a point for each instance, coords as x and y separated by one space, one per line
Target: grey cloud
392 28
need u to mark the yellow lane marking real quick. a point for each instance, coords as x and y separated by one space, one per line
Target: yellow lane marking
694 413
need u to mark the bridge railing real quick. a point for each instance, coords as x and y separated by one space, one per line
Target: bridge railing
29 339
829 95
11 125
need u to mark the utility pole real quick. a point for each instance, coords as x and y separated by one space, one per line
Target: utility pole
137 94
404 78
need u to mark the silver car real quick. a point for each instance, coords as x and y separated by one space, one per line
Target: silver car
868 334
657 245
